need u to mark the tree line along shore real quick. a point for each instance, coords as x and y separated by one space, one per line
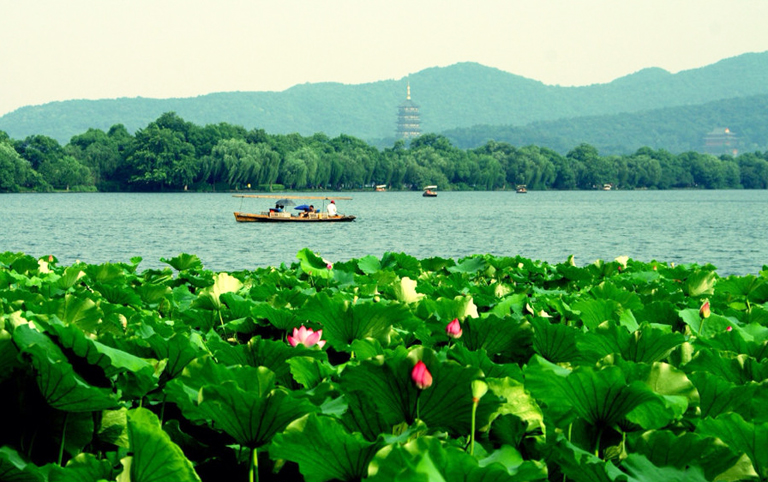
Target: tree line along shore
171 154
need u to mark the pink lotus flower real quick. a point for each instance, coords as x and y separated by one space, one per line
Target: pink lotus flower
729 328
704 310
421 376
329 266
306 336
453 329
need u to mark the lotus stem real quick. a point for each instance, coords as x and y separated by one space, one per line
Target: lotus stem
63 438
472 430
253 471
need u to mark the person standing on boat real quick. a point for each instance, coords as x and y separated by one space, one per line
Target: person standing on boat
332 208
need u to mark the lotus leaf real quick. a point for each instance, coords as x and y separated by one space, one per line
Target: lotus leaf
155 457
61 386
742 436
13 468
337 454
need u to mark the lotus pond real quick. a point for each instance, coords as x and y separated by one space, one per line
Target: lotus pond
482 368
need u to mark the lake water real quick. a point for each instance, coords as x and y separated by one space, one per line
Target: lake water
728 229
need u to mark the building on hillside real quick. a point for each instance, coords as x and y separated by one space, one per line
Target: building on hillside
408 120
721 141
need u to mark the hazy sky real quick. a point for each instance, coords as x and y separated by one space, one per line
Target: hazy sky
91 49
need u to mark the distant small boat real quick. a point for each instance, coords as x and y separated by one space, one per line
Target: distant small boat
430 191
381 188
521 189
607 187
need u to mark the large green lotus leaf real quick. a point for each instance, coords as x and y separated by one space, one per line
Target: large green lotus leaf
261 352
666 449
308 371
447 309
649 344
402 264
13 468
706 327
641 469
609 291
369 264
344 322
184 262
239 307
742 437
8 355
114 427
153 293
324 450
717 395
61 386
362 415
313 264
447 404
210 298
581 466
249 417
739 369
111 360
660 312
496 335
596 311
514 303
280 318
155 457
675 390
77 310
177 351
600 397
118 294
108 272
479 358
608 338
427 459
405 290
469 265
555 341
82 468
517 401
700 283
436 263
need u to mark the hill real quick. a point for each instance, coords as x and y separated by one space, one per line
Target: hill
459 96
675 129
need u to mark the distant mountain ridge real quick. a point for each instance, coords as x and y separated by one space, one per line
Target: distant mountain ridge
459 96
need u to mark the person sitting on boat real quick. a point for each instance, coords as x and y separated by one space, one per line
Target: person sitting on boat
278 208
312 209
332 208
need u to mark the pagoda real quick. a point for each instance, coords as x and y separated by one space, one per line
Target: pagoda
408 123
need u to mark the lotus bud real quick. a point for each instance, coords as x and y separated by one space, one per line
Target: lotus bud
307 337
479 388
730 328
421 376
329 266
453 329
704 310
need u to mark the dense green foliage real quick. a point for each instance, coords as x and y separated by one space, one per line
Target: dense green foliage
458 96
615 371
173 154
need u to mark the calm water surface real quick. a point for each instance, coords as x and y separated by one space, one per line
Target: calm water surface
728 229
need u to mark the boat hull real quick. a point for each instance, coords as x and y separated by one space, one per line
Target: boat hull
266 218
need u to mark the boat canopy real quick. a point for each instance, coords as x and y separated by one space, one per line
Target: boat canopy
427 188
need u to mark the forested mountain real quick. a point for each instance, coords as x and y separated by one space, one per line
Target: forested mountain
675 129
459 96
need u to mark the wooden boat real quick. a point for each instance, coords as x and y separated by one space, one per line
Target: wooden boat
521 189
381 188
272 216
429 191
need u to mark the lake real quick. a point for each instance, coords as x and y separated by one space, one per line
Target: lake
728 229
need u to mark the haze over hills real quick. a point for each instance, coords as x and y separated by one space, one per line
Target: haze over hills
465 97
